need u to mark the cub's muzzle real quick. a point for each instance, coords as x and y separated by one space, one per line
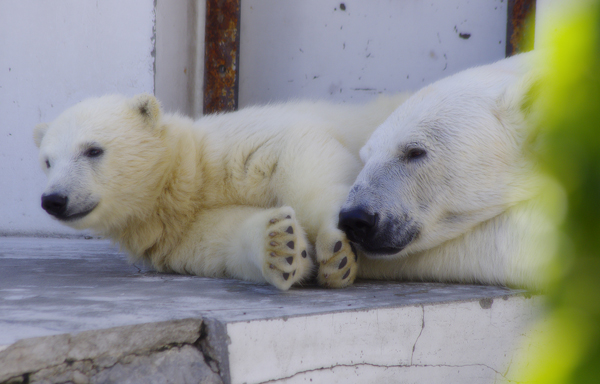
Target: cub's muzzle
55 204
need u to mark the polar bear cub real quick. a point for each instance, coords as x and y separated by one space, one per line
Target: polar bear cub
449 191
252 194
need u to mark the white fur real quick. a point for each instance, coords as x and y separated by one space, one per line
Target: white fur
219 196
468 209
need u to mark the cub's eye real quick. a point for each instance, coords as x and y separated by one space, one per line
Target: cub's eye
93 152
47 163
415 154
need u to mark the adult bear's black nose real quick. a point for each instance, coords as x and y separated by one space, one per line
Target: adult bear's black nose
55 204
357 223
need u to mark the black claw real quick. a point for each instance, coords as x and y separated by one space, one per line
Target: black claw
337 246
294 273
290 230
287 276
290 244
343 263
345 274
290 260
304 254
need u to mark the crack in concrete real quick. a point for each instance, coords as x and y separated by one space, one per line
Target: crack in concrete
20 379
507 368
388 366
417 339
139 270
204 347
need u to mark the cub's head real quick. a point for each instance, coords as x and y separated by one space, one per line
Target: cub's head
102 158
448 159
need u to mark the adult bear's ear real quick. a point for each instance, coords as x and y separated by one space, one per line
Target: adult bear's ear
148 107
39 132
517 106
516 103
520 96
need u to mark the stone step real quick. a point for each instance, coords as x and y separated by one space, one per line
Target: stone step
74 310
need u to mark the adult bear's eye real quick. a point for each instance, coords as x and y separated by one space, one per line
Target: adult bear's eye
47 163
415 154
93 152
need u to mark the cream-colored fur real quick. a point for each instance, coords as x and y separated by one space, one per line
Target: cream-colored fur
251 194
448 191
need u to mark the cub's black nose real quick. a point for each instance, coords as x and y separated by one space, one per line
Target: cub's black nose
357 223
55 204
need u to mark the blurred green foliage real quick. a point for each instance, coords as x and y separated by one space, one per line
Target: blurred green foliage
568 99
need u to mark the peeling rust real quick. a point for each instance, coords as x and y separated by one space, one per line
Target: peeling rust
521 18
221 63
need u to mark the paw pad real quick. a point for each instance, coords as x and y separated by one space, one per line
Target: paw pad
285 250
339 268
337 247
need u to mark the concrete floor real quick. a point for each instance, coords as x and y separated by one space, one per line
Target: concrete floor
75 310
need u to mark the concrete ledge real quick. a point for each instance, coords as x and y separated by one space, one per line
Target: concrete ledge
73 310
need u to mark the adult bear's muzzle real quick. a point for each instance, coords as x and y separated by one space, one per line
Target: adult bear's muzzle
357 223
375 237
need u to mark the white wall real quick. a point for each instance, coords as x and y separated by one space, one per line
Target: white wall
180 55
313 48
54 53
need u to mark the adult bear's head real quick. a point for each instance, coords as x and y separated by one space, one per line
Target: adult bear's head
448 159
103 161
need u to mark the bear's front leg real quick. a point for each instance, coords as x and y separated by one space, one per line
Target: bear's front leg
336 257
285 258
248 243
268 245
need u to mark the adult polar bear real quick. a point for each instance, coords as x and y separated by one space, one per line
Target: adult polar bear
448 191
241 194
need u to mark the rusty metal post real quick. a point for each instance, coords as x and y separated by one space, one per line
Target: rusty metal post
521 19
221 59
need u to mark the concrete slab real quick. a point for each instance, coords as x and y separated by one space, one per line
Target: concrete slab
75 310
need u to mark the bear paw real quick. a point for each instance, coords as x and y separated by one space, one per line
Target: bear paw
338 262
286 260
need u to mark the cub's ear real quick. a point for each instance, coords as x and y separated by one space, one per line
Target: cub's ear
39 132
148 107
